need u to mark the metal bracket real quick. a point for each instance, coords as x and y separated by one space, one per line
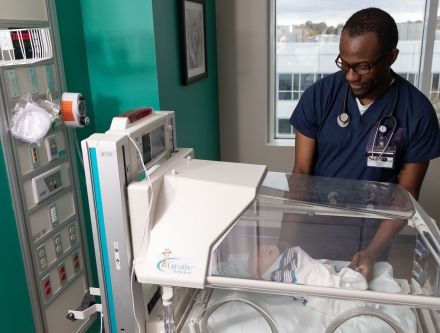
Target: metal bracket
87 308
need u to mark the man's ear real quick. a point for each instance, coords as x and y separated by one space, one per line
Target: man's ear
392 56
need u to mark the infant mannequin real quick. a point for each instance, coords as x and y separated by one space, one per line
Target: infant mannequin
296 266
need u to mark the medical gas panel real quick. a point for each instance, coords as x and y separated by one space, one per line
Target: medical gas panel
43 176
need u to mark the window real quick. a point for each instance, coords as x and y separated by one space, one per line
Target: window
306 41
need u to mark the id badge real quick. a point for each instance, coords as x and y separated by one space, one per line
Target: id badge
386 159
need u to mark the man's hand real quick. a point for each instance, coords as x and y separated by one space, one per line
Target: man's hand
364 261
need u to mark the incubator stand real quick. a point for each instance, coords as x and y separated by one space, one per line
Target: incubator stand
308 219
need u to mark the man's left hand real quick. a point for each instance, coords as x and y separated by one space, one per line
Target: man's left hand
364 261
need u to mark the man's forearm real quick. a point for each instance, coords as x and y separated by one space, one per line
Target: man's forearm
388 229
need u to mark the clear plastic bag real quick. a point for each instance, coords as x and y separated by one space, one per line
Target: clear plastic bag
32 120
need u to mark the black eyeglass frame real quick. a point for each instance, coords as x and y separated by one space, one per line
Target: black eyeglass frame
364 69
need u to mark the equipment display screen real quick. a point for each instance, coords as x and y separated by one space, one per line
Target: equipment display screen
146 148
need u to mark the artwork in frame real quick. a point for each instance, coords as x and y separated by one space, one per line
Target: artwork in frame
193 50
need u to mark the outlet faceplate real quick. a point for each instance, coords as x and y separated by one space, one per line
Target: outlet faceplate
58 245
41 257
72 233
76 262
62 273
34 155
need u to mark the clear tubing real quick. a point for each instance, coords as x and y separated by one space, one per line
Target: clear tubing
364 311
238 298
168 318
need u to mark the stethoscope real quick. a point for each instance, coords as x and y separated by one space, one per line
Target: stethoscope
344 120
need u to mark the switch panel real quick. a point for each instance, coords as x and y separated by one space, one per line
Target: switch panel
53 215
51 147
32 77
46 288
72 233
35 158
58 245
47 184
76 262
62 273
41 257
14 91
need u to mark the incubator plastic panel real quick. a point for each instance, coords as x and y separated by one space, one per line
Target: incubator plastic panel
297 258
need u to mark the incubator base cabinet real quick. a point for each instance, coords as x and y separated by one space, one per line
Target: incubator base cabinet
221 247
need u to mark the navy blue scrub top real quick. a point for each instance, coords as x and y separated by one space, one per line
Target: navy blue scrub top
340 151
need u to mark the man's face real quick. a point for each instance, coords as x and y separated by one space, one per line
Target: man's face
365 50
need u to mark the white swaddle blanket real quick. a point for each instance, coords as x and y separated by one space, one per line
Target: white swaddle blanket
296 266
382 281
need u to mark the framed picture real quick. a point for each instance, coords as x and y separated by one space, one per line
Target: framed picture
193 51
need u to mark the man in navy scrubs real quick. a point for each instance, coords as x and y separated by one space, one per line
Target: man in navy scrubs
326 146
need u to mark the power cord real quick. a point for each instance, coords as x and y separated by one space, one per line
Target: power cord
143 234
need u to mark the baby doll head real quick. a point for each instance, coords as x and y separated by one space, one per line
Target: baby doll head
261 258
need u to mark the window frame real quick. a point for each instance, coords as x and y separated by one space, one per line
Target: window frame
422 81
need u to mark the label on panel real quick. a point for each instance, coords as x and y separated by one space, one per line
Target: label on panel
33 85
49 77
14 92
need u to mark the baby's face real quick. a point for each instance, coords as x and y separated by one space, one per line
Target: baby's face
261 259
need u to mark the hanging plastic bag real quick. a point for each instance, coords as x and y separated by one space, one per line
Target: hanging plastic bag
31 121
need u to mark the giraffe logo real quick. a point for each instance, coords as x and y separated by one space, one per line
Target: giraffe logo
166 257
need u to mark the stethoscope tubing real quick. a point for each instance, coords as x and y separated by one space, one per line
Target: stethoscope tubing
390 115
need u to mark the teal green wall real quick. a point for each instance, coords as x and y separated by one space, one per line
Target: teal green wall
70 23
15 307
121 54
196 105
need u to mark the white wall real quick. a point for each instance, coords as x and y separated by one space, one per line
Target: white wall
242 47
243 70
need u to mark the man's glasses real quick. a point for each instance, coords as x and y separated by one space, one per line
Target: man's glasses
360 69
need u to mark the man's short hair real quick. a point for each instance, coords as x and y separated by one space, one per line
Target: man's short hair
374 20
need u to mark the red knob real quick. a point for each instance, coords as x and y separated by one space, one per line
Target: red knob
48 291
47 283
63 277
77 264
62 269
75 257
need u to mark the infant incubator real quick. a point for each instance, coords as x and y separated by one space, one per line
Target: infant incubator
322 223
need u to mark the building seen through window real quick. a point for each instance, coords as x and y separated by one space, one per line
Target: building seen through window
307 42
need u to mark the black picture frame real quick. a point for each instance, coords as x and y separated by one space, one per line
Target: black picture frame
193 44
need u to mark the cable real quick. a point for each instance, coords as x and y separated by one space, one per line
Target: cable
78 151
143 234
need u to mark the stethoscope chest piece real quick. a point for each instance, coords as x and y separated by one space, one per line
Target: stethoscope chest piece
343 119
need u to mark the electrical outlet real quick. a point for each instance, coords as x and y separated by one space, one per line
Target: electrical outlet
53 215
46 288
35 158
41 257
62 273
58 245
76 262
72 233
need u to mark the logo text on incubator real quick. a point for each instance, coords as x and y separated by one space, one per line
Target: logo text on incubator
185 266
